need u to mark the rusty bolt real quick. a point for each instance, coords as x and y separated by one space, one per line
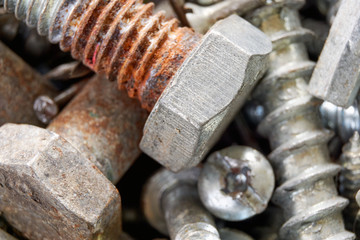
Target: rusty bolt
51 186
20 85
143 52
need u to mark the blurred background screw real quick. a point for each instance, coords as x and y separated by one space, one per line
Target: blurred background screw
233 234
172 206
236 183
300 158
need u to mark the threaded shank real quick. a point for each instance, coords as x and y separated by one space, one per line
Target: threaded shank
120 38
350 178
307 191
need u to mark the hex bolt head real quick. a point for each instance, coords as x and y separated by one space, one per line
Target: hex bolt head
205 94
336 77
236 183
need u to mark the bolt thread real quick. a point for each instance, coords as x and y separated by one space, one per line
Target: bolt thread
307 191
350 178
120 38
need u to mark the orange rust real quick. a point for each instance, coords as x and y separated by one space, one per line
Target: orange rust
126 42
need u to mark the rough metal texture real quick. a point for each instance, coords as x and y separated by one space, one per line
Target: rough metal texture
300 158
190 116
5 236
236 183
19 87
105 125
232 234
172 206
350 178
201 18
49 190
120 38
344 121
336 77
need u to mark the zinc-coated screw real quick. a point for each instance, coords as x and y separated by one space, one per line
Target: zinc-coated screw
172 206
350 178
236 183
300 158
120 38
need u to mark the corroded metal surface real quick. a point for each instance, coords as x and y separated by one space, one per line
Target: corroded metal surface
50 190
120 38
19 87
105 125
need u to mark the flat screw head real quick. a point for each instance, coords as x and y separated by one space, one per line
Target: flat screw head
236 183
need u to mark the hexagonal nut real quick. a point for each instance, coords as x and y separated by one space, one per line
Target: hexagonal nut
336 77
49 190
205 94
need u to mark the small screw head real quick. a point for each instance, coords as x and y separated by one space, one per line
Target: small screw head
236 183
45 109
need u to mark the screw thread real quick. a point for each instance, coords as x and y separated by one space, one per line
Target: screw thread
350 178
307 192
120 38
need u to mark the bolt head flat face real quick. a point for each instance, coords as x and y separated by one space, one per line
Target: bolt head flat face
49 190
205 94
336 77
236 183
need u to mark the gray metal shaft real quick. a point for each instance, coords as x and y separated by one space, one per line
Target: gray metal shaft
300 157
185 217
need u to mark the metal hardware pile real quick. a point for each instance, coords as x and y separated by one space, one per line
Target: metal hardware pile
181 120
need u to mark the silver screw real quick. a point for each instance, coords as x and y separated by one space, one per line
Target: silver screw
344 121
350 177
236 183
300 157
233 234
173 207
329 8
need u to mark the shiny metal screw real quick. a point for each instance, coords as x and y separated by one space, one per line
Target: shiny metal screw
350 178
300 158
172 206
236 183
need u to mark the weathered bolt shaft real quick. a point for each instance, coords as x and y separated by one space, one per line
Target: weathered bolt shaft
120 38
307 192
107 135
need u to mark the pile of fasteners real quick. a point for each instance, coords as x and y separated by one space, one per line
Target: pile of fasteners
213 119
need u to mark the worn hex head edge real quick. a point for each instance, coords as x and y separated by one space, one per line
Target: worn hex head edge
204 95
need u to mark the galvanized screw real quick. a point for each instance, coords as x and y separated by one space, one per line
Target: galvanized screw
350 178
236 183
172 206
300 158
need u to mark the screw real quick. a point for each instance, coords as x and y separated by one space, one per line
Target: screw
201 18
300 157
236 183
172 206
329 8
18 77
341 54
349 178
55 190
46 108
143 52
344 121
